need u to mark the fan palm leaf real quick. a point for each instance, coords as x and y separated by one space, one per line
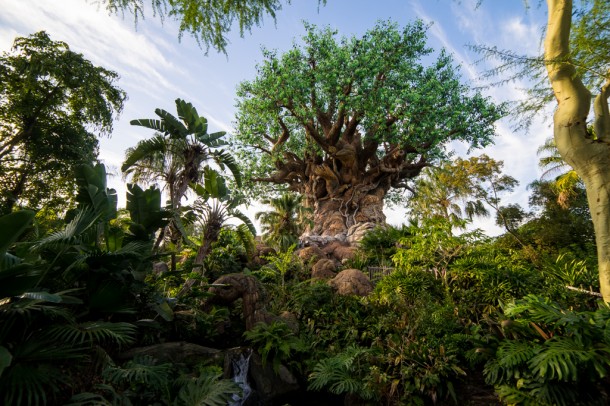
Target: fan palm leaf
286 220
566 179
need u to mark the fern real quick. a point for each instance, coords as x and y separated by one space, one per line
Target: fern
141 370
275 342
207 390
514 353
342 374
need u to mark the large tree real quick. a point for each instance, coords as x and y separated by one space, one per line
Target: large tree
53 101
345 121
589 156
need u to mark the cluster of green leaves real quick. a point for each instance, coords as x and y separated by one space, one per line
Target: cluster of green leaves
275 342
143 380
285 222
208 22
53 100
294 113
549 355
74 294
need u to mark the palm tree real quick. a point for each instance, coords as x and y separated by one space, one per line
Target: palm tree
177 151
215 205
565 183
176 156
446 192
286 220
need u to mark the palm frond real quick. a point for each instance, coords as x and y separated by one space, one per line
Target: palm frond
247 222
188 113
84 221
173 127
223 159
213 140
144 148
142 369
26 384
94 332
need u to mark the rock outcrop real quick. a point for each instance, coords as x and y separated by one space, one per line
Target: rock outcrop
324 269
351 282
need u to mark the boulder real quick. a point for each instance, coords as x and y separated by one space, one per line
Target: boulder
310 254
269 384
344 254
176 352
324 269
159 268
351 282
261 251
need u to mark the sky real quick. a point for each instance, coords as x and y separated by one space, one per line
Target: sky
155 68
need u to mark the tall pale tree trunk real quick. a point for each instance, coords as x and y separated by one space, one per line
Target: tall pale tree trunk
589 157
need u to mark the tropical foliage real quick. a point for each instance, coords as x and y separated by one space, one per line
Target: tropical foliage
53 101
285 222
91 313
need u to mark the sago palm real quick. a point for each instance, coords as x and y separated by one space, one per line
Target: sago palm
286 220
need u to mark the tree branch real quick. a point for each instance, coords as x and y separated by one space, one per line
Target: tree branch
602 115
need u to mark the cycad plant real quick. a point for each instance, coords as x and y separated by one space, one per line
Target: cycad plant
286 220
215 205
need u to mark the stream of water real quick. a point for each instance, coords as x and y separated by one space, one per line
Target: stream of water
240 366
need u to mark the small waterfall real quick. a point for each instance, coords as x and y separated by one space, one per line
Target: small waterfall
240 367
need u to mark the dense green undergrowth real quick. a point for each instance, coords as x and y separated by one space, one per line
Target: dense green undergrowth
73 300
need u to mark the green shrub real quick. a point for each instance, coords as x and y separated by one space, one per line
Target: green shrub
549 355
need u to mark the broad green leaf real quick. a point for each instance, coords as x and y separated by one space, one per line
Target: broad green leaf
12 226
5 359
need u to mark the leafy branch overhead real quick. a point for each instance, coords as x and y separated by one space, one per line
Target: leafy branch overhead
207 22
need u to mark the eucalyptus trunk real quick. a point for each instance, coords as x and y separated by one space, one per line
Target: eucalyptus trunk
589 157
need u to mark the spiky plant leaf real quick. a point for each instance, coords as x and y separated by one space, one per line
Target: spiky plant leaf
173 127
88 399
94 332
42 297
27 384
223 159
246 220
84 221
144 149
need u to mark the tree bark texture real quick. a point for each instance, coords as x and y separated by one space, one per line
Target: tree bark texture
590 157
345 184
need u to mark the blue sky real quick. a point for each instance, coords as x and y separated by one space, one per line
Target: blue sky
156 69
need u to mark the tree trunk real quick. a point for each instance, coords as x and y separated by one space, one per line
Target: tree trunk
334 216
589 157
